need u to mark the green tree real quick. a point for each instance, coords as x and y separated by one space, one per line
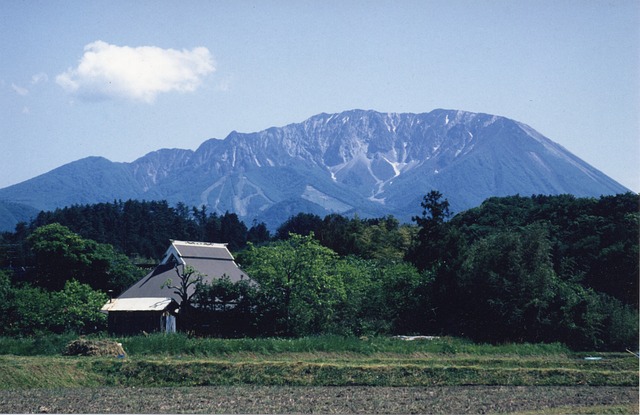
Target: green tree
78 309
383 239
227 308
508 281
301 224
340 234
233 231
5 298
395 299
258 233
31 311
428 251
112 270
62 255
298 281
593 241
509 291
352 316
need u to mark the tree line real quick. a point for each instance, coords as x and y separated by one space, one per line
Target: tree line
536 269
515 269
143 228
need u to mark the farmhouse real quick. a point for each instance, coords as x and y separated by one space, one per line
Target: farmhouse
150 306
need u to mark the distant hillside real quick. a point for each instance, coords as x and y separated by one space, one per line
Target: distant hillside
357 161
12 213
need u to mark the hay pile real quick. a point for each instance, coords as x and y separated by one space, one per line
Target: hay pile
84 347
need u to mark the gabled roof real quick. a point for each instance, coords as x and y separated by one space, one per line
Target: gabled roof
212 260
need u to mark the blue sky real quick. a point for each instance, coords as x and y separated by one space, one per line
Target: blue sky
119 79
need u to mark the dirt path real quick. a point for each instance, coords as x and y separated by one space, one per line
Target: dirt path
267 399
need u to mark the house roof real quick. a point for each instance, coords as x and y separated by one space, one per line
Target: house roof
211 260
202 250
138 304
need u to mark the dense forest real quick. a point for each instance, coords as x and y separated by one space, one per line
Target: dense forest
515 269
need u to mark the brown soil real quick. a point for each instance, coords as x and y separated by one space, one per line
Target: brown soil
269 399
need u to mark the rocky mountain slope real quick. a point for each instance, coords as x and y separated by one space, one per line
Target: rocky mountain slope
357 161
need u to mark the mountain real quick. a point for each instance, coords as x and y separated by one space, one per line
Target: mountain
12 213
357 161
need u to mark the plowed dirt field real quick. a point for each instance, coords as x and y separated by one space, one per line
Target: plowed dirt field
345 400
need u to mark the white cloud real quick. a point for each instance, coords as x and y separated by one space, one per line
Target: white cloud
110 71
20 90
39 77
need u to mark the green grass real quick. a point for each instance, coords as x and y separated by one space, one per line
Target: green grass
46 345
299 370
18 372
179 360
329 373
294 369
51 372
179 344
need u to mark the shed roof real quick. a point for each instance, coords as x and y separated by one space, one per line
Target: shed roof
138 304
211 260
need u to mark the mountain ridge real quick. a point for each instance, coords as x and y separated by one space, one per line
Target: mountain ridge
356 161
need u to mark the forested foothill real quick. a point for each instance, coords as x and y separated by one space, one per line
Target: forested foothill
515 269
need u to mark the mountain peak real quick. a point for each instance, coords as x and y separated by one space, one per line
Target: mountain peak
360 161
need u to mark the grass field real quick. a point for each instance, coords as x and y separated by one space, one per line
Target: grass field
326 374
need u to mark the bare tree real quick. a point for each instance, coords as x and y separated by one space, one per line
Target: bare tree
187 277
